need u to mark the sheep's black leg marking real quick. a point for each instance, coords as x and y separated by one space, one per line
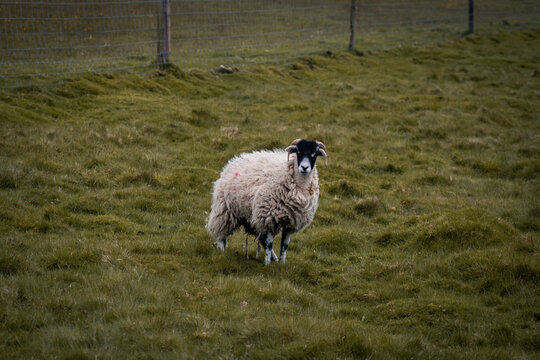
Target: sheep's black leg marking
274 256
221 244
259 242
285 238
266 240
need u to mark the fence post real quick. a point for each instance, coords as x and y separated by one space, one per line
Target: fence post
352 40
471 16
164 33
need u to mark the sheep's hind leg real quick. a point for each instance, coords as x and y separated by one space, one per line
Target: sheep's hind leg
285 238
221 244
274 256
246 247
258 241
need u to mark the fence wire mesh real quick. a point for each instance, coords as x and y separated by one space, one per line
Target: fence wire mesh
42 40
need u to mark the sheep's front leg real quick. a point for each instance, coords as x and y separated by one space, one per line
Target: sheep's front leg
285 238
221 244
266 240
258 240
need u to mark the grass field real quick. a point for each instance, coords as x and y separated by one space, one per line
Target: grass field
425 245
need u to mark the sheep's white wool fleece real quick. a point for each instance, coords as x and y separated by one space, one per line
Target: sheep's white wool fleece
261 191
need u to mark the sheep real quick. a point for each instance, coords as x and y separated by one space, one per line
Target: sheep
267 192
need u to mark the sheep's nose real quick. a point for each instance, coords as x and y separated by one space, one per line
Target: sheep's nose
304 168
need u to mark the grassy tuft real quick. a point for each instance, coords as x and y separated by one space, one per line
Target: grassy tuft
7 179
435 180
368 206
468 228
343 188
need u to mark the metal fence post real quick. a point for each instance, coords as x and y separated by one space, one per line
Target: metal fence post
164 33
471 16
352 40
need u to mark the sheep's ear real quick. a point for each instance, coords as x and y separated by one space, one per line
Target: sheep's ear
322 151
291 149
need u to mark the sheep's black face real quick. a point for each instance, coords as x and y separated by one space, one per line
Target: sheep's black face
306 155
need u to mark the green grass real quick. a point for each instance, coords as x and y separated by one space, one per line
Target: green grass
425 245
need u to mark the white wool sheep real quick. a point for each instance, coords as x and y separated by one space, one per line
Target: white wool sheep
267 192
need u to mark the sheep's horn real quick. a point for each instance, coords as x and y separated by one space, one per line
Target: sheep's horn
323 148
295 141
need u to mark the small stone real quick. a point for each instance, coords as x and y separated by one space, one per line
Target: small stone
222 69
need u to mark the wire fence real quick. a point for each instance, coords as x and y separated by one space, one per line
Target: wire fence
42 40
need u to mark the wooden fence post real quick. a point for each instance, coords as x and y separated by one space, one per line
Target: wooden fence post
471 16
352 40
164 33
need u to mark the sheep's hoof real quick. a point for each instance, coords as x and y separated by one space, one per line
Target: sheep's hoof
267 257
